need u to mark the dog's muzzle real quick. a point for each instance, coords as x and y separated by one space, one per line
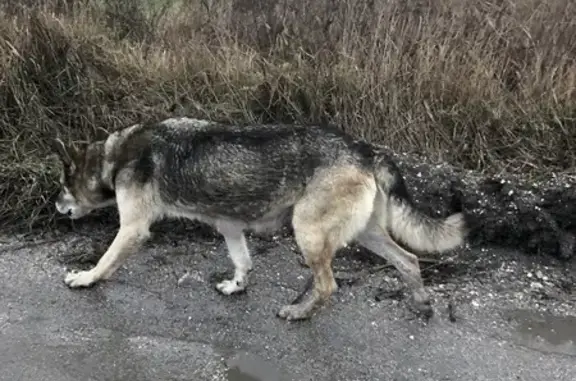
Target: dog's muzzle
63 209
66 204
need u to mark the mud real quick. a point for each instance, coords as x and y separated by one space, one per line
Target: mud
536 216
248 367
544 331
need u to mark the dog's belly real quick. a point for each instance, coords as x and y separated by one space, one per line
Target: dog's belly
257 216
270 222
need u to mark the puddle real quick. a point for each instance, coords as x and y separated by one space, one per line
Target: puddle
545 332
248 367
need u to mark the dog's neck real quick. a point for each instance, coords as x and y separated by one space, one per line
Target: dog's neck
106 166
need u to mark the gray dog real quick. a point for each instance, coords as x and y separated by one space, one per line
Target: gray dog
335 189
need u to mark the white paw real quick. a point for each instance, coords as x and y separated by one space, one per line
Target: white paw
228 287
79 278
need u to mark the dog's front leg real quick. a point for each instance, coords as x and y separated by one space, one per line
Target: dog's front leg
128 240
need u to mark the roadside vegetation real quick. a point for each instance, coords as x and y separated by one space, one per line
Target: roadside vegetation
484 85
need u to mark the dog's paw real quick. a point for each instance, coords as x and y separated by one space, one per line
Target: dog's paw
76 279
295 312
425 310
228 287
422 308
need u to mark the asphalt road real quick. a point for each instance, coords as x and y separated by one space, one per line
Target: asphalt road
160 318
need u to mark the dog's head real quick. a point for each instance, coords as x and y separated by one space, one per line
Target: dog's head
82 188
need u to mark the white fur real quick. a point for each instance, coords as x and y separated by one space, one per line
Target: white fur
69 205
240 256
428 236
184 121
79 278
137 212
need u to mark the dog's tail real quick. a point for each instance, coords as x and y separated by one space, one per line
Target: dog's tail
407 223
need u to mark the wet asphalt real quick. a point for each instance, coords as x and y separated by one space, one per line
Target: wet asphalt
499 316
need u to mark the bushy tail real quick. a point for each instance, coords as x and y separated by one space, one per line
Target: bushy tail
409 225
422 232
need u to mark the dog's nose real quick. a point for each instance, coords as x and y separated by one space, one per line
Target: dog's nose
69 212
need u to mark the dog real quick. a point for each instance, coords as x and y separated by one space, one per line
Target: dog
333 189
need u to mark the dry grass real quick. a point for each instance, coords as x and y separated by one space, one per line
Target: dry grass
486 85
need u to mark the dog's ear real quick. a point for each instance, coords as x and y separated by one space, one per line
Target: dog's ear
66 154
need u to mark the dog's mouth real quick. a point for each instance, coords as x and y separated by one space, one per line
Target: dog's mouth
75 216
71 212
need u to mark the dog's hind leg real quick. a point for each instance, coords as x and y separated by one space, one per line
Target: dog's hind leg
134 224
377 239
335 208
240 256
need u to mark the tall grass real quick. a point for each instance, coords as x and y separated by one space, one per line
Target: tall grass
486 85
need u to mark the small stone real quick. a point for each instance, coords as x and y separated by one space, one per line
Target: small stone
184 279
189 278
536 285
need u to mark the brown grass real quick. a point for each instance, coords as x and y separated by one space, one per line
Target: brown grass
485 85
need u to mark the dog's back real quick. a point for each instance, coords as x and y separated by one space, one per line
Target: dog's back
232 171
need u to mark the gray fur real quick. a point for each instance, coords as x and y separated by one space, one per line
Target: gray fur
335 188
